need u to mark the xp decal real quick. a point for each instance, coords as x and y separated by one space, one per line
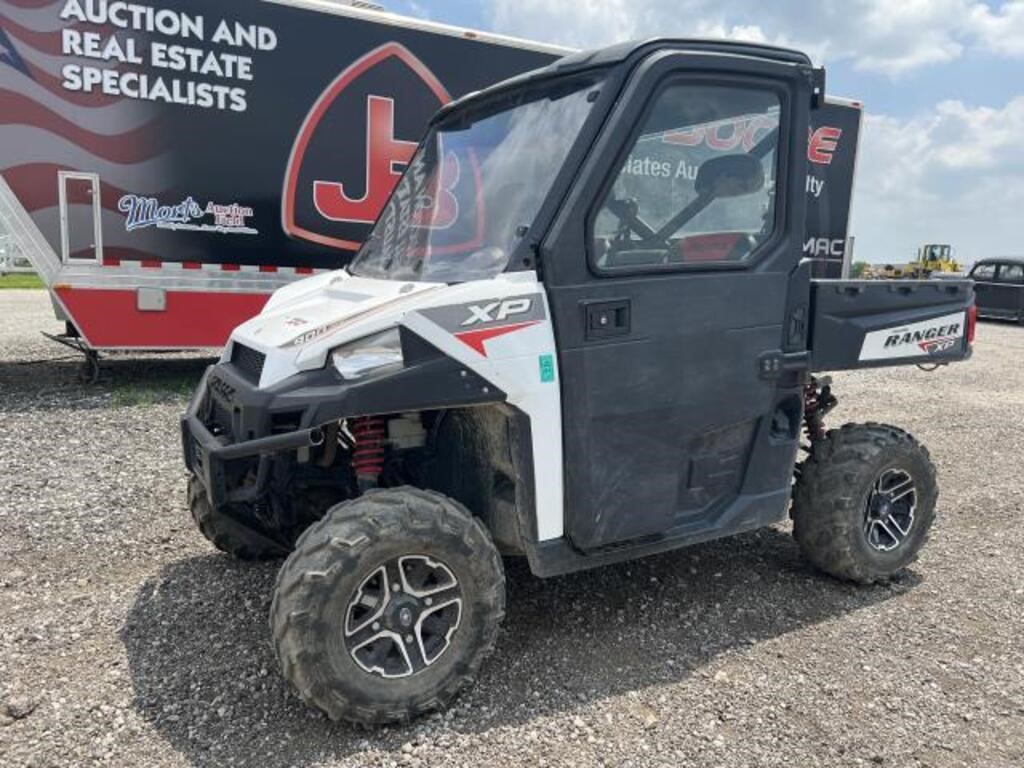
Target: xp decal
929 337
331 196
476 323
497 310
934 346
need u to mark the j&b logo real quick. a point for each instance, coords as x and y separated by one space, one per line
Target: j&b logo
334 189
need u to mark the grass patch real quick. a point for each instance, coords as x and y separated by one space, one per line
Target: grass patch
137 379
21 280
152 393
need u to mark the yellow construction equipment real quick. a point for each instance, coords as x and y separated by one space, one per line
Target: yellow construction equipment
932 258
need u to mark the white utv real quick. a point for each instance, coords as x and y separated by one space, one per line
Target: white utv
581 331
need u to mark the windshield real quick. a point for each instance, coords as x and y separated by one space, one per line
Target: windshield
474 187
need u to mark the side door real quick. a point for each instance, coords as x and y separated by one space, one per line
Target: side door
81 232
984 277
678 302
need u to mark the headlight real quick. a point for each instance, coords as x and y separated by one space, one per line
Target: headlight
362 356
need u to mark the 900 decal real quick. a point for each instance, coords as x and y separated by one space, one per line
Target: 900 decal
923 339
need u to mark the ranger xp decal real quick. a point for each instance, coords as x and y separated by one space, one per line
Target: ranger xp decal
476 322
929 337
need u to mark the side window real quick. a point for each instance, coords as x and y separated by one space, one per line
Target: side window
984 272
698 185
1011 273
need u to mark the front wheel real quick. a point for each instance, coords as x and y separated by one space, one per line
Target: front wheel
864 502
388 606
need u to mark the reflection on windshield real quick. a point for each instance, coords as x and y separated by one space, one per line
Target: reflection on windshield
471 192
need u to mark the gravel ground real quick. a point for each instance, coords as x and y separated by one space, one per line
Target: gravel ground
126 640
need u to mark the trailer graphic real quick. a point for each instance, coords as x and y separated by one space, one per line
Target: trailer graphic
165 169
335 209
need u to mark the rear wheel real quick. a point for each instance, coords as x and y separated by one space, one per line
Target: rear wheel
227 534
388 606
864 502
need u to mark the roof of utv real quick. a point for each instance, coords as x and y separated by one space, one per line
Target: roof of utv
620 52
613 54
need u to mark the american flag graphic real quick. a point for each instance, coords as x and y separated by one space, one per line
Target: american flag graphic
46 128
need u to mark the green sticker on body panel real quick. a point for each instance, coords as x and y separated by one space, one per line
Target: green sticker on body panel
547 368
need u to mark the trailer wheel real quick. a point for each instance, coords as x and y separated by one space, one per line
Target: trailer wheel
864 501
227 534
388 606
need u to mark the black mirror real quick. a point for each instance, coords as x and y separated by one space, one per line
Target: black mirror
729 176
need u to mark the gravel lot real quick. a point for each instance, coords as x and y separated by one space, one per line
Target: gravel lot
126 640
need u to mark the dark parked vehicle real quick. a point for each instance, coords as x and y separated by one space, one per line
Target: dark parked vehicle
999 288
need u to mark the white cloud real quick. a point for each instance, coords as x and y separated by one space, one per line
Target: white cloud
751 33
875 35
952 174
955 175
1002 30
581 24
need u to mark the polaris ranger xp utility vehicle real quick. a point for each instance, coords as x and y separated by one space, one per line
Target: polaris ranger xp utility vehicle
580 331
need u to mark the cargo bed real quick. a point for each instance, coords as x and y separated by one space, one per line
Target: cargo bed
871 323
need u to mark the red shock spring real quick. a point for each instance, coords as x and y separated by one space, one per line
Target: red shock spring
368 454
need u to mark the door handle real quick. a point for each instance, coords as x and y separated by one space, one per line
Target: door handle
604 319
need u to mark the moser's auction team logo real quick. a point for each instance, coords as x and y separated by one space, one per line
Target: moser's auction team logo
141 212
332 196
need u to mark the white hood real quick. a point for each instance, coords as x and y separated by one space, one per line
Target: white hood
303 321
498 328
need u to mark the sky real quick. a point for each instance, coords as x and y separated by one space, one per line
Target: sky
942 155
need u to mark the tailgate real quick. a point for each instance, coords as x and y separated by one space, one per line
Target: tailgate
873 323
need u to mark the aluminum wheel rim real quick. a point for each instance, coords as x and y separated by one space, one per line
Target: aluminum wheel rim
889 511
403 616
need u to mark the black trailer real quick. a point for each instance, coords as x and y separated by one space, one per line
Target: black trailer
166 170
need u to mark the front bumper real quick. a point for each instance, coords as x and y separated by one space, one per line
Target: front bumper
233 432
228 431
